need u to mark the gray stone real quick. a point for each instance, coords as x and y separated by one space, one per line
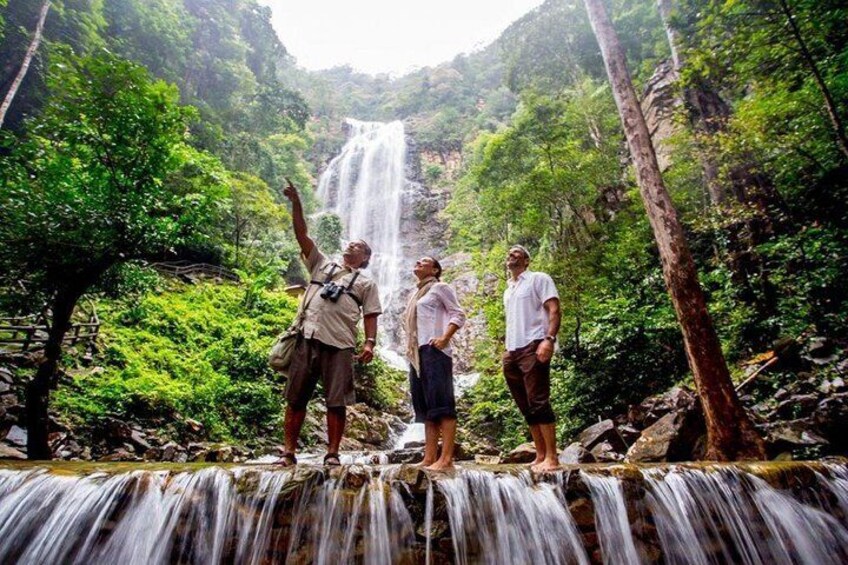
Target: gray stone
605 452
6 375
222 454
193 425
169 451
366 425
8 400
139 440
119 455
406 456
7 452
782 436
628 433
600 432
831 417
524 453
5 387
17 436
574 454
818 347
671 438
797 406
116 432
781 394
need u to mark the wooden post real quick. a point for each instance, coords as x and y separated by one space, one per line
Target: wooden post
28 339
730 433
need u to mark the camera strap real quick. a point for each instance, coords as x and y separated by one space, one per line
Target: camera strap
329 277
349 286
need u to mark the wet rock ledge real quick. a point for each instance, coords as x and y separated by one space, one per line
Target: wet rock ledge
399 514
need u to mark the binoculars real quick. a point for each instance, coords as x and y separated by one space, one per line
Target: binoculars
332 291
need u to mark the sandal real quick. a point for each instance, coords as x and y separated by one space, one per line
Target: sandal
332 460
287 459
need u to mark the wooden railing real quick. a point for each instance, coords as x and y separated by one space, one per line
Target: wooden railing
187 268
29 333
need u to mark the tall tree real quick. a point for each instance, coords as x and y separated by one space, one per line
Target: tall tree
810 61
104 177
30 53
730 433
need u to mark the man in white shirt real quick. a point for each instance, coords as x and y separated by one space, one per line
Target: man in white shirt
531 303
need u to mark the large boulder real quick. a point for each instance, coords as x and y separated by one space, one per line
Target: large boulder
8 452
785 436
366 425
605 452
831 418
7 375
575 453
671 438
647 412
406 456
115 432
604 431
17 436
524 453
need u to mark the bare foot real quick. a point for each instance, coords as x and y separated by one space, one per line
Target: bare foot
426 463
546 466
537 461
441 466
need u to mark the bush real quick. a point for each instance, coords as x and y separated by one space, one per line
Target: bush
190 352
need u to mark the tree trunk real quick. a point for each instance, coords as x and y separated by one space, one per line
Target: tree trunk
730 433
38 389
830 105
30 53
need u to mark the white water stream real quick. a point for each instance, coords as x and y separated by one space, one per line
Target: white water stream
670 514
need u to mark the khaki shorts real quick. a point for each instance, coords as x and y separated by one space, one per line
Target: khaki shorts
313 360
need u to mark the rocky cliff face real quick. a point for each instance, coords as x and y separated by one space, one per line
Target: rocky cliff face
660 103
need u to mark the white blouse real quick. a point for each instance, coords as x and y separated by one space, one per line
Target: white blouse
436 310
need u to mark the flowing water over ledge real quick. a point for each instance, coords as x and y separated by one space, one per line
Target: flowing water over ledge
766 513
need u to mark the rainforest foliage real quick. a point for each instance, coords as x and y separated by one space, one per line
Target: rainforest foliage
524 138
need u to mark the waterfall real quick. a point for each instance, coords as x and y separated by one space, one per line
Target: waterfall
364 186
508 519
612 521
773 513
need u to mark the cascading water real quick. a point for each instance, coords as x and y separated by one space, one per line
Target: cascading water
509 519
759 514
364 186
611 520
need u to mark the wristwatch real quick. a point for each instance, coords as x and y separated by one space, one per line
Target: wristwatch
372 340
551 338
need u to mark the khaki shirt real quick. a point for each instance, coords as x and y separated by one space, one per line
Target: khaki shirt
334 323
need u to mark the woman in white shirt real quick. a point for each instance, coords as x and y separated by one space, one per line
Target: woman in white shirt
432 316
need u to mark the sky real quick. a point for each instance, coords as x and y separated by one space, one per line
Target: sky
389 36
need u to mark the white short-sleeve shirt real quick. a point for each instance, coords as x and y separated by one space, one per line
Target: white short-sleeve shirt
524 303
